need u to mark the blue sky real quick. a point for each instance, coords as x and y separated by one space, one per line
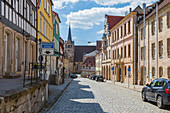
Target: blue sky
87 16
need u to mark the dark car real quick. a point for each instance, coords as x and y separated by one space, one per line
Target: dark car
157 91
93 77
73 76
99 78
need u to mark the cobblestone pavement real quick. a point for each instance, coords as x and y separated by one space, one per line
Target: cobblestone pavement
88 96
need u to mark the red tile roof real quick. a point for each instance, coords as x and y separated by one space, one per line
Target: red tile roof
90 61
113 20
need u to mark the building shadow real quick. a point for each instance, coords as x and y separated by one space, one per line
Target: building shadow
77 99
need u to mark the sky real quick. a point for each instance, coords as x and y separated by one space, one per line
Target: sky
87 16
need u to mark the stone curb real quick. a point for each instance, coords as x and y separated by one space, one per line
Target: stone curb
56 98
123 86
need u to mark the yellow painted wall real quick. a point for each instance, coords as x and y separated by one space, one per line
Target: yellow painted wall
48 21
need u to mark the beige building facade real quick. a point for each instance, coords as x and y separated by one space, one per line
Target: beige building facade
122 43
15 49
98 60
147 45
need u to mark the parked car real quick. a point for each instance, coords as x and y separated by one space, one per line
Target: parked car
88 76
73 76
100 78
93 77
157 91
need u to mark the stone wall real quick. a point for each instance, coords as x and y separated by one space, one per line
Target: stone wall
25 100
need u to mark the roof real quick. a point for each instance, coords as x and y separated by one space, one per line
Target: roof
98 45
39 2
90 61
56 14
79 51
162 4
69 35
93 53
113 20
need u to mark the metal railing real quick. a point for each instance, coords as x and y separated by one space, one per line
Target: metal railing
32 74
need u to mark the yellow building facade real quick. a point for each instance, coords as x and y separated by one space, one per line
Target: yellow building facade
45 23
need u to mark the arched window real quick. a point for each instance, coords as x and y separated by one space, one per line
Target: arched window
160 71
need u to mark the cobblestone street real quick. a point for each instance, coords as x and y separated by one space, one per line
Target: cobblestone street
88 96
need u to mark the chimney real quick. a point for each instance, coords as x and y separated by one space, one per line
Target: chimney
130 10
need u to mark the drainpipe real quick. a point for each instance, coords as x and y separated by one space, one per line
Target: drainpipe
144 75
157 71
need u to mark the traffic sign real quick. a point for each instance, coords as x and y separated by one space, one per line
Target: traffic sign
47 48
112 68
128 69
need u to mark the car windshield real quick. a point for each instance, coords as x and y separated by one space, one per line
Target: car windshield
100 76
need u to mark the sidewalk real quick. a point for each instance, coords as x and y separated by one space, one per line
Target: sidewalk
55 91
125 85
8 85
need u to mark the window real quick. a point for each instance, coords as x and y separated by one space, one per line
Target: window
153 51
125 51
2 8
153 72
160 71
47 30
129 26
168 19
153 28
45 4
56 28
141 31
121 31
21 7
28 12
125 70
142 53
44 27
124 29
118 34
33 17
117 53
168 47
129 51
41 23
160 24
113 55
168 72
89 67
160 49
121 52
109 54
115 36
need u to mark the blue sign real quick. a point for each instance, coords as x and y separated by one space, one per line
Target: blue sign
112 68
47 45
128 69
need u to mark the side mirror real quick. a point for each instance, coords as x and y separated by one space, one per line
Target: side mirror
147 85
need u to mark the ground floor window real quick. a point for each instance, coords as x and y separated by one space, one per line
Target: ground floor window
160 71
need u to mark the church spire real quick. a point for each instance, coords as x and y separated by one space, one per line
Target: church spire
69 34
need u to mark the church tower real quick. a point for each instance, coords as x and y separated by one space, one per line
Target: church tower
69 50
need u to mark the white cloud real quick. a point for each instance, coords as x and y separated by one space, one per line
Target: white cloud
60 4
100 32
74 38
87 18
92 44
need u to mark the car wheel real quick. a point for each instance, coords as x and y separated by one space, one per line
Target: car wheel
160 102
144 97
